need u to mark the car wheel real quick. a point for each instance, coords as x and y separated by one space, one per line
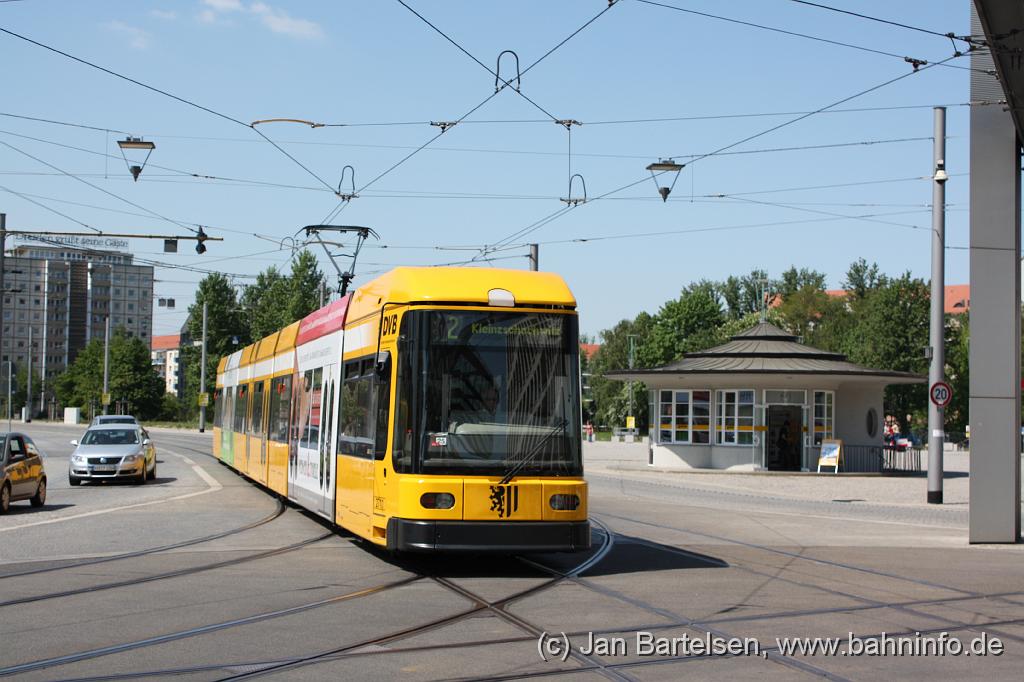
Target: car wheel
141 480
152 474
39 499
5 498
74 480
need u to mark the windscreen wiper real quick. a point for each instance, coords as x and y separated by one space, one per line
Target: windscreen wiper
511 473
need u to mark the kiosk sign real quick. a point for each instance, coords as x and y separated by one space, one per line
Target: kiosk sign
940 394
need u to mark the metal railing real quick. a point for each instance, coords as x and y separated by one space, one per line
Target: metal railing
862 458
901 461
879 459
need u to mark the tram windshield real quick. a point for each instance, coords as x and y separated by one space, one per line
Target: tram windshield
483 392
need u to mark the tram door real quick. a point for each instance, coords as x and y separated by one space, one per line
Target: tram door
311 472
328 412
258 428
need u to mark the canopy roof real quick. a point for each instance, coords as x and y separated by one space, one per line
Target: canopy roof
765 349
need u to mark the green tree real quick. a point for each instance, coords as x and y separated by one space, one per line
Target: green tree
891 332
742 295
304 286
794 280
19 393
132 377
682 325
267 303
614 355
802 310
227 330
861 279
170 408
958 335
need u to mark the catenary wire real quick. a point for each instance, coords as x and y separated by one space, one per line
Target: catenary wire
554 216
877 19
48 208
520 74
97 187
342 205
166 94
267 183
862 48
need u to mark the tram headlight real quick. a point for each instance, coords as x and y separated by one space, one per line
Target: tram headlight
437 500
564 502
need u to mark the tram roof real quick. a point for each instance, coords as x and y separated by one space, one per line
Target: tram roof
265 347
248 355
459 284
286 337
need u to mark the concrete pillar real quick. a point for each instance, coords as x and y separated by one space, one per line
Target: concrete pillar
994 311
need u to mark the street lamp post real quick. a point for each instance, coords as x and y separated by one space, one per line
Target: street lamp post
632 341
202 377
937 369
10 379
28 383
106 364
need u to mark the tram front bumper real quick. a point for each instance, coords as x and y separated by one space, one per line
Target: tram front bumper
409 535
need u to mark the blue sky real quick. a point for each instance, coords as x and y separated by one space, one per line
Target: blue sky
505 167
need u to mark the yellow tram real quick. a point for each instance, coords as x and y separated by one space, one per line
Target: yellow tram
431 409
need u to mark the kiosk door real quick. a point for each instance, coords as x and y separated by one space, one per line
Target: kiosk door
785 437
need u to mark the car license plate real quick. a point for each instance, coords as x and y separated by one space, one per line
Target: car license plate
104 467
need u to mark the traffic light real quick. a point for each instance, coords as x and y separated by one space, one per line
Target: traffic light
200 238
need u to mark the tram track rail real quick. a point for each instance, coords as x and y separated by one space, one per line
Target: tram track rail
199 630
865 601
615 670
279 509
177 573
478 606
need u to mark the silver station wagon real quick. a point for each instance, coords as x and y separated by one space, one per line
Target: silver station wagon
113 451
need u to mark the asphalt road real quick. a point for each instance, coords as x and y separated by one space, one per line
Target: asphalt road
203 576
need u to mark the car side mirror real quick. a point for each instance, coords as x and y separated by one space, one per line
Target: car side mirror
145 441
75 443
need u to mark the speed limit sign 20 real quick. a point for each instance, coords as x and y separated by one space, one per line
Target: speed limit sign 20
940 393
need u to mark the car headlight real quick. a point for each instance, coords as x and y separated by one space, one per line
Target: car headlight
131 459
77 459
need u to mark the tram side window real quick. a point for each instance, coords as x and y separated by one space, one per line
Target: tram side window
280 408
218 409
228 407
241 403
383 405
402 447
355 437
256 421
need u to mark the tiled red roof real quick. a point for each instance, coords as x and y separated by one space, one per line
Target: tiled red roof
166 342
958 298
589 349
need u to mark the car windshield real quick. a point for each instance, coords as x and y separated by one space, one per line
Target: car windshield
111 437
115 420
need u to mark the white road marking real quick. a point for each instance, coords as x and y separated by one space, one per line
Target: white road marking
210 481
